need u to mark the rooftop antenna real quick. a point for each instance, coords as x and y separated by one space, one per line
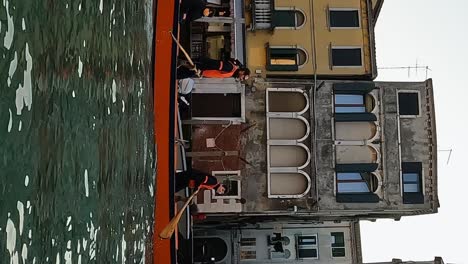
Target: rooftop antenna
449 151
409 68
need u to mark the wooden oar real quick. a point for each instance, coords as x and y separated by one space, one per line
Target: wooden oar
194 67
167 232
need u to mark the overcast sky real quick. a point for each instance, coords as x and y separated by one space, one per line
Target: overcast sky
432 33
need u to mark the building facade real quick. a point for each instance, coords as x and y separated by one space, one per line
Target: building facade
310 145
325 38
279 242
341 149
377 141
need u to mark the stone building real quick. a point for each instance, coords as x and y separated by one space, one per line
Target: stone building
343 149
280 241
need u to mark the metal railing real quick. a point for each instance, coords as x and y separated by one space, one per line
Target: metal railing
261 14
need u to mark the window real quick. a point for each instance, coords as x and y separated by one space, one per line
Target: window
345 57
230 180
285 59
307 247
338 244
247 248
408 103
412 183
349 103
356 182
340 18
354 103
287 18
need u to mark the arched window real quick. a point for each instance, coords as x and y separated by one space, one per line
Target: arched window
287 101
285 58
355 130
287 18
288 128
288 184
354 103
356 154
289 156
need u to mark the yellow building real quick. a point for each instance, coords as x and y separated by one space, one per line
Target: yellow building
306 38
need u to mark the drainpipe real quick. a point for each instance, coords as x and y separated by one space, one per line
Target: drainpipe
313 93
383 145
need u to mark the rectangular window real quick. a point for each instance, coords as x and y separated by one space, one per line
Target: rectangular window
352 182
346 57
344 18
412 183
307 247
248 242
408 103
349 103
282 59
338 244
227 178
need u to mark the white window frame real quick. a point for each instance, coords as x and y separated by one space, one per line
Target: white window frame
223 174
332 47
316 246
419 103
221 86
343 9
332 247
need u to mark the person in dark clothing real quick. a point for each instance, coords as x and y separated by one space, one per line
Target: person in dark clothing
201 181
210 68
224 12
191 10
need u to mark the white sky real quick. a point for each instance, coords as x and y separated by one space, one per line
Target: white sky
432 33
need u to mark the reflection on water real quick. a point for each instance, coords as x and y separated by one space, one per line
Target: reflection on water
76 142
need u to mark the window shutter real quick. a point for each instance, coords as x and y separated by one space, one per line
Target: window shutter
354 117
283 18
356 167
413 198
344 18
278 53
346 57
357 198
353 88
415 167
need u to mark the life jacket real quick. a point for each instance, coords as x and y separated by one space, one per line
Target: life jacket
219 73
208 186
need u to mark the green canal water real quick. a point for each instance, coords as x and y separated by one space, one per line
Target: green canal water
76 131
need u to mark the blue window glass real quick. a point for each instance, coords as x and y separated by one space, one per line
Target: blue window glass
411 182
349 99
349 103
350 109
353 187
348 176
410 187
410 177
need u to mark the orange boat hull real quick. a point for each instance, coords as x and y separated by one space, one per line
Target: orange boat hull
165 125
